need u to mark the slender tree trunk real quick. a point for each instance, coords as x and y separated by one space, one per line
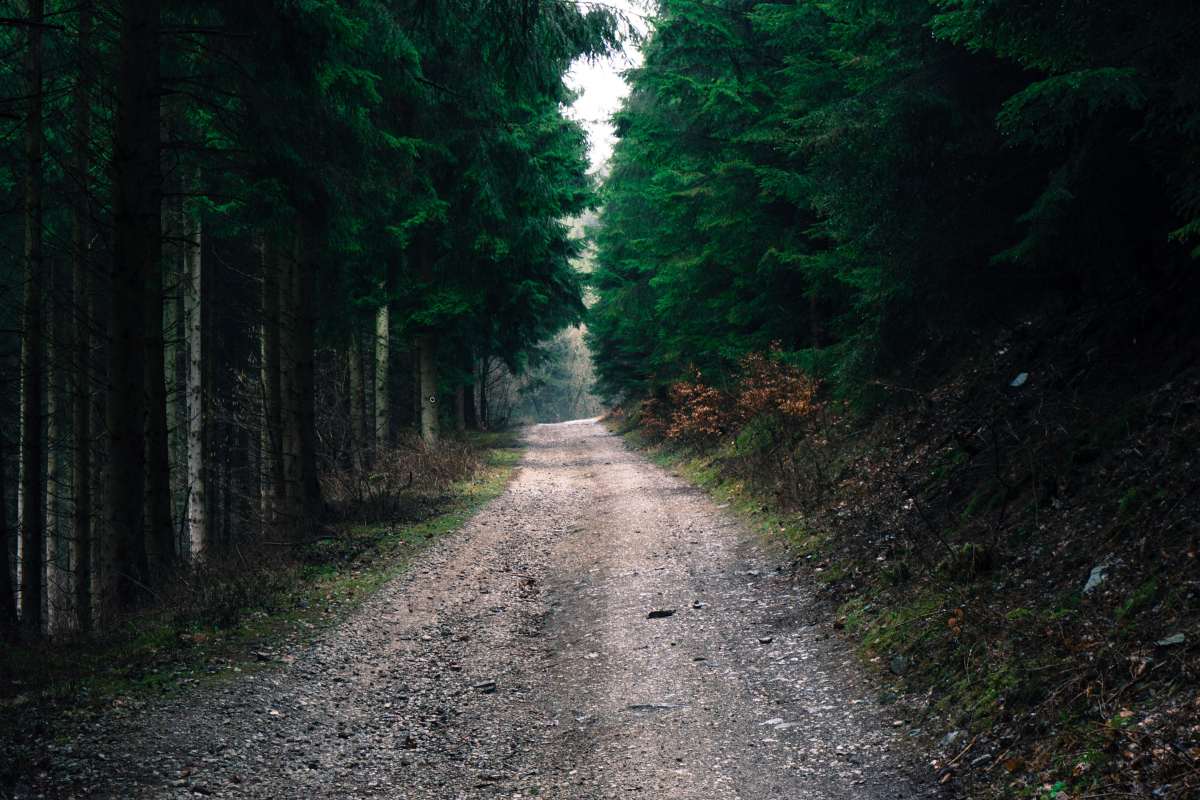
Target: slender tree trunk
460 405
97 407
159 532
472 420
174 336
137 229
57 462
81 483
8 600
484 368
241 472
383 349
211 471
175 370
196 478
304 281
358 399
222 446
416 380
81 477
274 492
429 388
287 382
32 523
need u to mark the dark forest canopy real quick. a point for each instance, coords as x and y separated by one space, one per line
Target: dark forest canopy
863 181
247 245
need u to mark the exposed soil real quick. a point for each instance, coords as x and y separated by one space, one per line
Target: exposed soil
518 657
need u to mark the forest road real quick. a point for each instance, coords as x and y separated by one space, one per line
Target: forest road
517 657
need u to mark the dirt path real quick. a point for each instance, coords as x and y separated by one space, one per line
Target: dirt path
515 657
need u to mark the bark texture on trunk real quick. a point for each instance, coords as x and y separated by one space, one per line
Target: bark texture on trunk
8 599
429 388
81 478
31 499
157 489
383 350
481 384
358 401
304 292
137 229
211 471
193 285
58 464
174 334
287 378
460 405
472 421
274 493
416 382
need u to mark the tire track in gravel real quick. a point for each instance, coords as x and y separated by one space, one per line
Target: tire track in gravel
515 657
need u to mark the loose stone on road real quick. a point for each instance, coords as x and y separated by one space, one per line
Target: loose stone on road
601 628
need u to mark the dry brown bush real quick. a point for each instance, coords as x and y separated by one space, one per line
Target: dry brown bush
409 469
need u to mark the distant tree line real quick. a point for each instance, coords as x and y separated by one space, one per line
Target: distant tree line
227 222
869 183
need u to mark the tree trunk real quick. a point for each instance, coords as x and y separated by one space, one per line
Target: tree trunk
287 380
57 462
358 399
274 493
137 228
81 478
416 379
472 419
483 391
196 478
460 405
383 349
175 370
157 487
429 388
8 600
97 406
211 470
31 339
304 292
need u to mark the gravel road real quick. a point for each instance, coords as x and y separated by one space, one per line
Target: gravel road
517 657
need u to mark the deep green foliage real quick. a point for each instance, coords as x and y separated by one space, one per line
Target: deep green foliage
867 182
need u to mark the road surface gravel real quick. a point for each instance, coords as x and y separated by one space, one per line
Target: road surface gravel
521 656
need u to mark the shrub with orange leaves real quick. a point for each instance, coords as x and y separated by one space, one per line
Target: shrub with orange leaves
700 413
770 387
654 419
